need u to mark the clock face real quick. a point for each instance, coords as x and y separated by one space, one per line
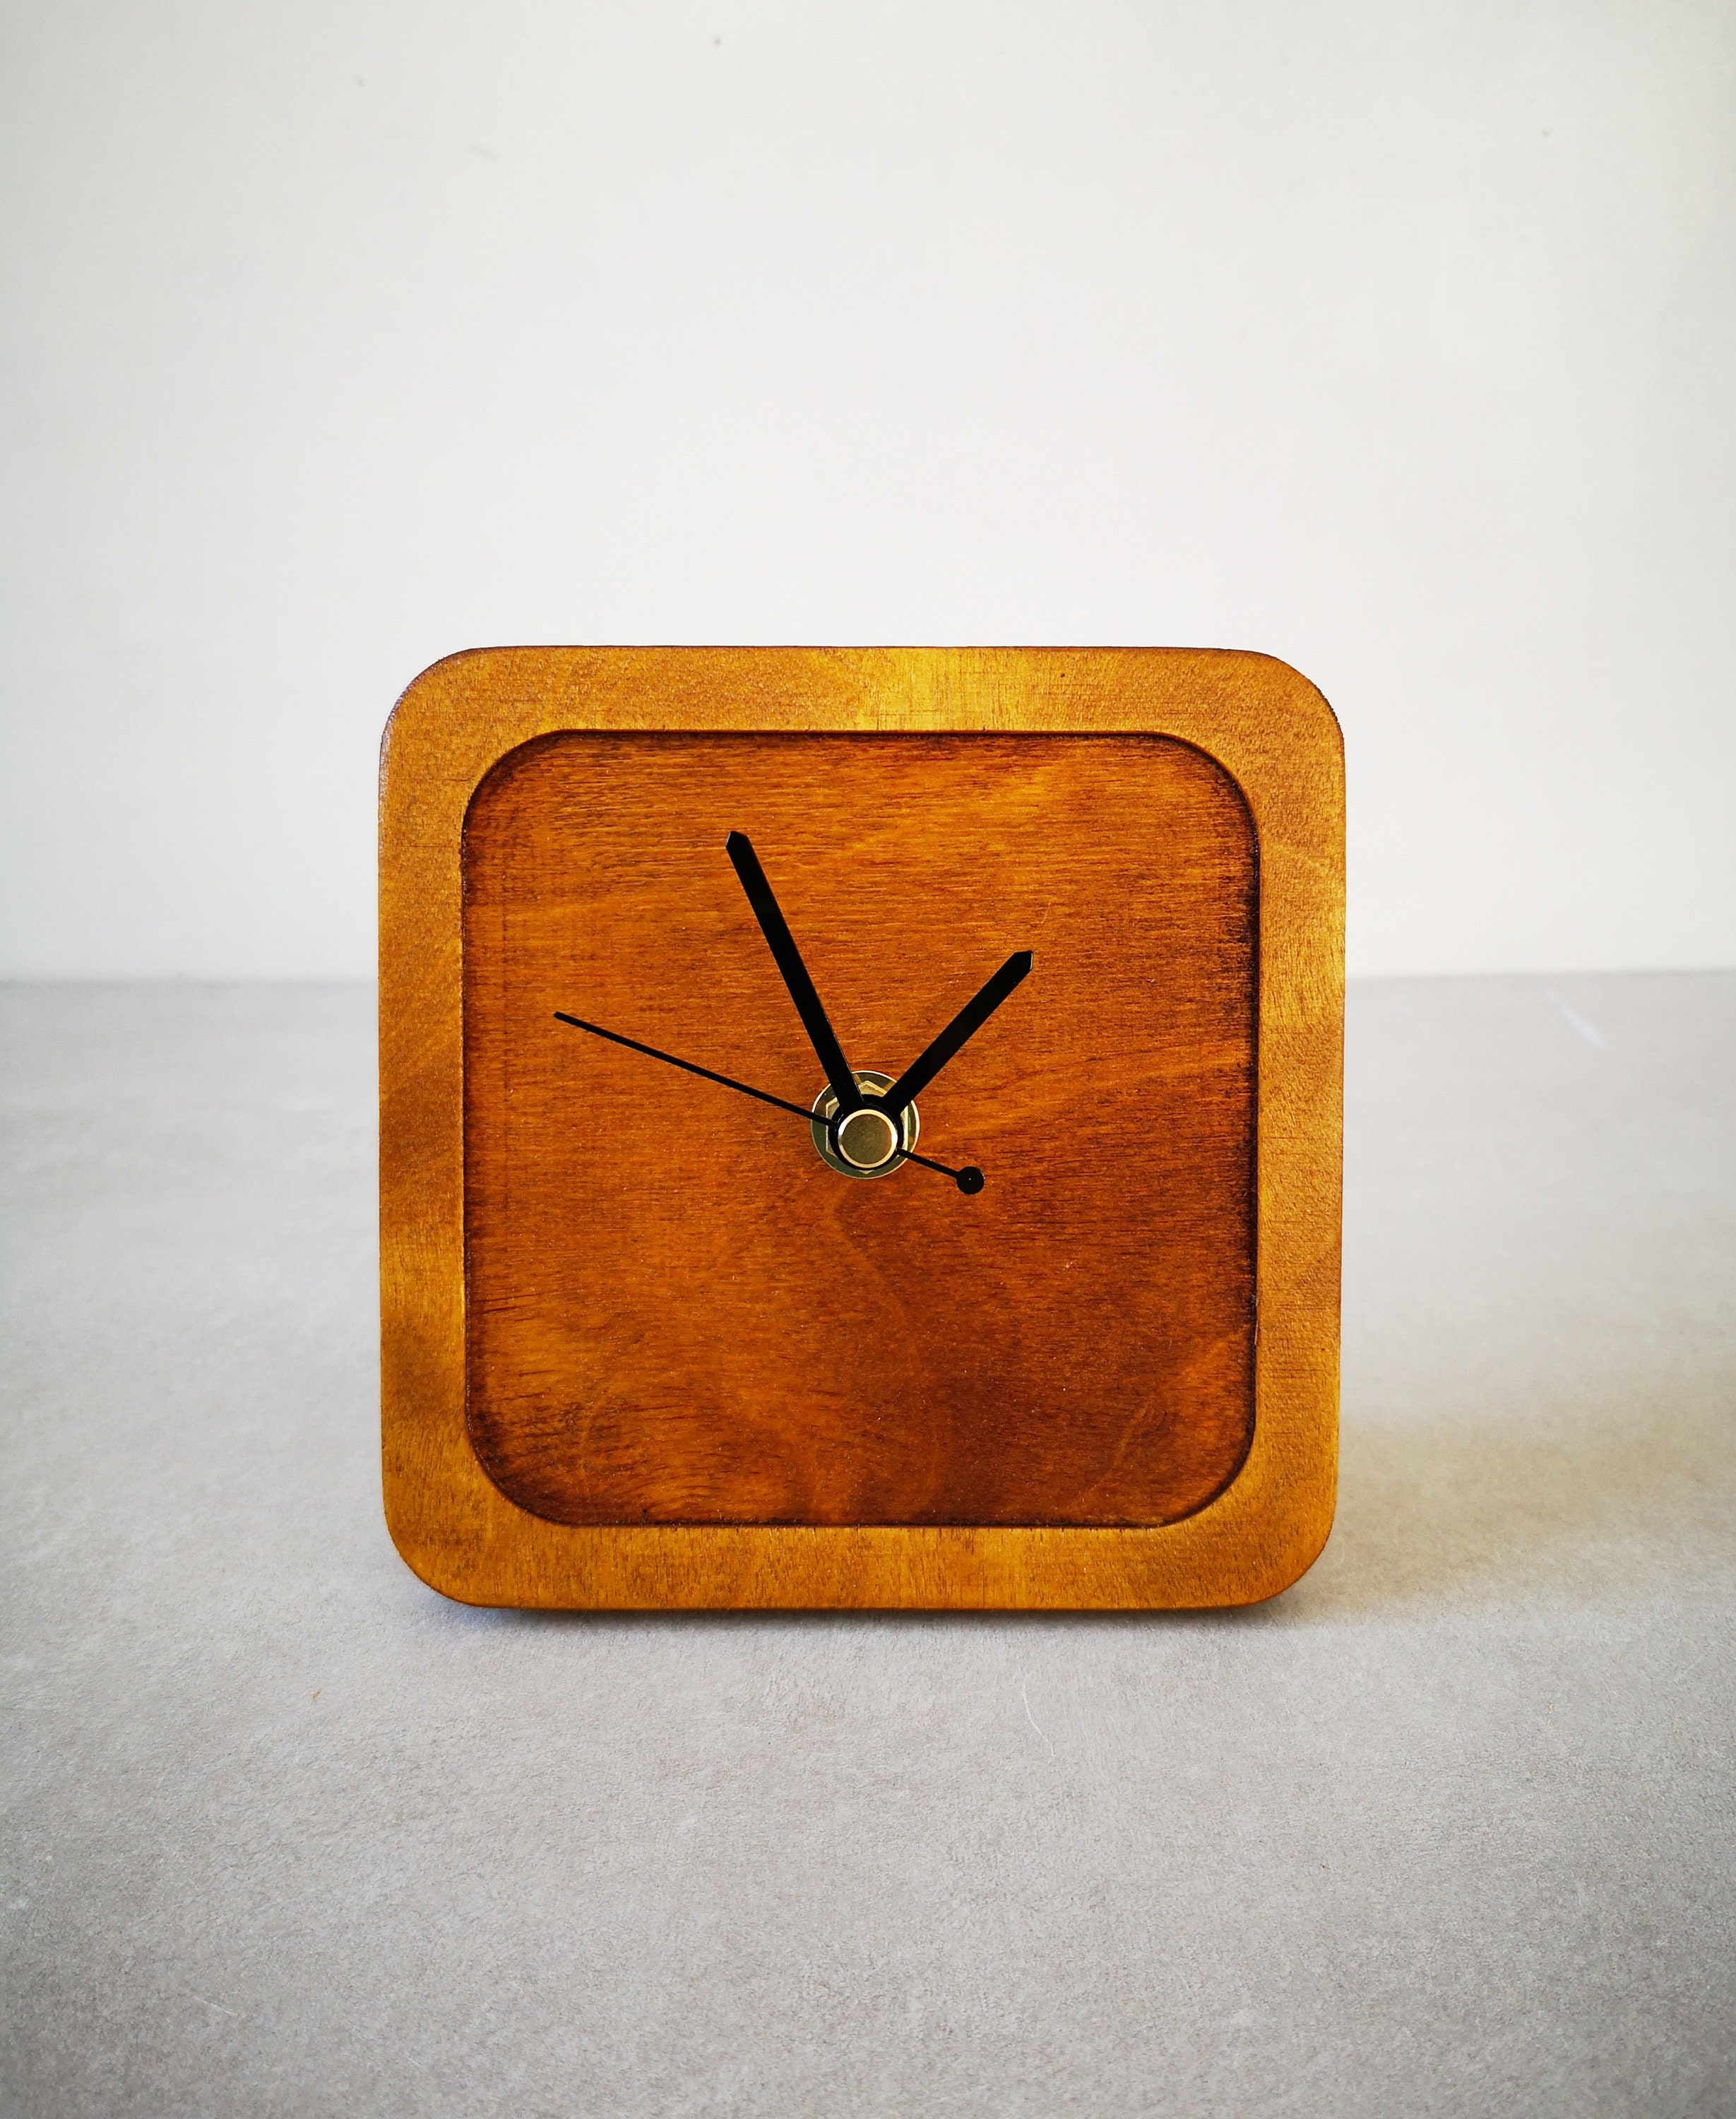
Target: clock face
775 1298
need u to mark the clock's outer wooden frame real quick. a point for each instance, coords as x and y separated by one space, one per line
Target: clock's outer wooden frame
1276 737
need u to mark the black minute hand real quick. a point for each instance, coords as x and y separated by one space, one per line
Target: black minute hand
788 959
963 1026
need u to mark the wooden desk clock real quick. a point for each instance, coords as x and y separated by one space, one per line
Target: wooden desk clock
860 1127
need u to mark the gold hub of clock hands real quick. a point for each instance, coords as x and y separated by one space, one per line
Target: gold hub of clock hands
864 1125
866 1143
866 1139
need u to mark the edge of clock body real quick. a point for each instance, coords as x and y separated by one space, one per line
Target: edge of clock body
1257 719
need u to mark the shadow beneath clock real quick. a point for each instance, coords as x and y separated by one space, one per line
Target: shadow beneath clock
1441 1512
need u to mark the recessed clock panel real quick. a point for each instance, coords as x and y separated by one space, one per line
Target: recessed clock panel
711 1280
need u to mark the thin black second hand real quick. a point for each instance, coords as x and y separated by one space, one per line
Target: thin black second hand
725 1081
909 1155
705 1074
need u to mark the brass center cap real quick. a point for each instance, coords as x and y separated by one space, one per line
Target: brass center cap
870 1142
866 1138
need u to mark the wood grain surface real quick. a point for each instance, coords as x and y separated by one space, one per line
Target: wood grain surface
1261 724
677 1313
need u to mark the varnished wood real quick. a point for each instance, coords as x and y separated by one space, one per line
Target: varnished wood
996 1512
677 1313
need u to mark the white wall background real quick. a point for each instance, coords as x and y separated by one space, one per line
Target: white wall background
1394 338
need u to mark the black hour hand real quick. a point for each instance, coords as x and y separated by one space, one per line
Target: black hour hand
963 1026
788 958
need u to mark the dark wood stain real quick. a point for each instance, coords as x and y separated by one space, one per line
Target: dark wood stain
676 1314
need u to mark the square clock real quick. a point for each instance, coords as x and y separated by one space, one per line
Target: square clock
860 1127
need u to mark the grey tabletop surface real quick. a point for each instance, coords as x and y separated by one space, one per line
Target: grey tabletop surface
1448 1827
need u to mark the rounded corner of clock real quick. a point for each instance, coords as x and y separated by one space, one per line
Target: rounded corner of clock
1286 1535
1278 1571
432 687
436 1553
446 711
436 1566
1316 717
